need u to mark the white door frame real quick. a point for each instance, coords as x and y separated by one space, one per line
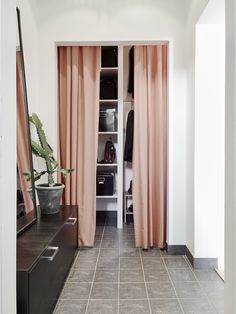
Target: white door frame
7 157
230 157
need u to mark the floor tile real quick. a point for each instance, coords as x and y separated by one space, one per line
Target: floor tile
161 289
106 276
104 291
213 289
109 253
134 307
85 263
129 252
80 275
71 307
130 263
88 253
102 307
97 243
108 263
167 306
132 291
207 275
165 254
99 230
131 275
181 275
176 262
98 237
127 244
153 263
218 304
76 291
189 290
111 237
108 244
197 306
156 275
154 252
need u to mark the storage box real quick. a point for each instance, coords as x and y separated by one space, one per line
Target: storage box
109 57
107 120
105 183
108 88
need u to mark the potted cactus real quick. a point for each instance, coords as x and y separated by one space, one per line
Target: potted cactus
49 194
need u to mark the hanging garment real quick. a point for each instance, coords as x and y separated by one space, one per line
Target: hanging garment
150 145
128 154
131 72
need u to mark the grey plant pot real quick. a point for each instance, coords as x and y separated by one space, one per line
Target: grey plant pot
49 198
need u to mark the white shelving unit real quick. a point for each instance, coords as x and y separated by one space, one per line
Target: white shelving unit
113 202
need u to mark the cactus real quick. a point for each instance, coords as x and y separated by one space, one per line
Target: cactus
44 150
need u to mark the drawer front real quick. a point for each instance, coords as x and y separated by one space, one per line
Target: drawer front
47 277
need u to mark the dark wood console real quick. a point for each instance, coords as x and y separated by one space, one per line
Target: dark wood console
45 253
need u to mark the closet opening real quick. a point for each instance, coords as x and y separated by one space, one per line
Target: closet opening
119 70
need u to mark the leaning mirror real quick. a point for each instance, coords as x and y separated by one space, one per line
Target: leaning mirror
26 203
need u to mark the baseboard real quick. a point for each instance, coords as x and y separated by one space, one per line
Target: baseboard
176 249
201 263
197 263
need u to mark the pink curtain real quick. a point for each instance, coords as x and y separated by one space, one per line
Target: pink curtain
23 161
150 145
78 114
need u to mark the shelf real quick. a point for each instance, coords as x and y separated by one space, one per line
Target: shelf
108 100
107 165
109 69
107 133
106 196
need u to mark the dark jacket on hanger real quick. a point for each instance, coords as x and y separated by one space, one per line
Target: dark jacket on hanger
128 154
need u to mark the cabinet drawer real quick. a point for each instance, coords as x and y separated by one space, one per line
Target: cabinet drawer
47 277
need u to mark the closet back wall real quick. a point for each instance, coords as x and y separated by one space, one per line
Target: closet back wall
86 22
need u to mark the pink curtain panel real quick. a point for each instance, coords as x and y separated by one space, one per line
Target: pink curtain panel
150 145
78 114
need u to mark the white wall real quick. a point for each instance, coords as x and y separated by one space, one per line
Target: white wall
195 11
210 141
230 156
7 157
205 129
29 31
92 21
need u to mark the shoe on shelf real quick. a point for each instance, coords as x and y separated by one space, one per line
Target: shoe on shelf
130 187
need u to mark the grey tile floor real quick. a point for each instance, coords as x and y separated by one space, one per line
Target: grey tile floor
114 277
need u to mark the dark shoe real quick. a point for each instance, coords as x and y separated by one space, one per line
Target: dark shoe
130 187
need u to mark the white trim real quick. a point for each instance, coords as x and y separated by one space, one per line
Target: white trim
230 159
120 140
170 59
7 157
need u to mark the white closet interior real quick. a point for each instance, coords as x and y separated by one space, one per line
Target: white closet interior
121 169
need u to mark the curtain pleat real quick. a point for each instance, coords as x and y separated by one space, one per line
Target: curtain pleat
150 145
78 114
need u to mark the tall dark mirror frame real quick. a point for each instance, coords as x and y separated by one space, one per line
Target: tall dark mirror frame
29 216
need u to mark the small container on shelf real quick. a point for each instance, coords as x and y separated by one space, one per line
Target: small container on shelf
105 183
